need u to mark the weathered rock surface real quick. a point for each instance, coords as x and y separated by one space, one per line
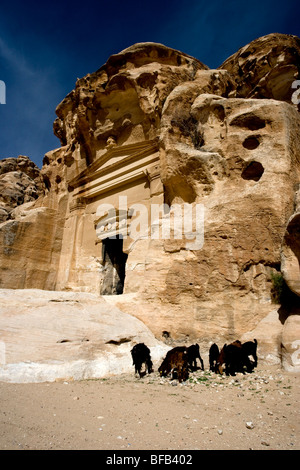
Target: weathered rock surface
154 126
266 68
291 343
244 174
48 335
120 103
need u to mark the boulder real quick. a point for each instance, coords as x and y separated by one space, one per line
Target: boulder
47 336
20 182
290 343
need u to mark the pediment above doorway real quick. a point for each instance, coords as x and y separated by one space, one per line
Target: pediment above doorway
117 166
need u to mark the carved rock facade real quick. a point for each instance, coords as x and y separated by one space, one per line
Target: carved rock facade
152 130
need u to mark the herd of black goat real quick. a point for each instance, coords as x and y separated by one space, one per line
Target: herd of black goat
233 358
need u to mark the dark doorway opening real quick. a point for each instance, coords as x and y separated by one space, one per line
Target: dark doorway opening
114 261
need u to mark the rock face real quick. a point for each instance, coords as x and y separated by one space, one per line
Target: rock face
246 186
154 133
47 336
266 67
291 343
20 183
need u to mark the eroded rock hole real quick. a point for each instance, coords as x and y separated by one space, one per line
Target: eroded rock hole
249 121
253 171
114 266
251 143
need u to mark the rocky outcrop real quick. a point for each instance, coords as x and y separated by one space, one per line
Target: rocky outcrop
246 185
291 343
155 127
20 182
120 103
266 68
47 336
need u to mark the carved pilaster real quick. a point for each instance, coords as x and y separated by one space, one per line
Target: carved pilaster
77 204
153 175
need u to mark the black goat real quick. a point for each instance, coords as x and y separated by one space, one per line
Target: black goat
250 349
165 367
193 353
176 363
141 355
235 359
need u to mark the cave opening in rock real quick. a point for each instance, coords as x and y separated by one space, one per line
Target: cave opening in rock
114 261
253 171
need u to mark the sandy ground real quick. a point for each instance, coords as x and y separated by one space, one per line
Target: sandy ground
258 411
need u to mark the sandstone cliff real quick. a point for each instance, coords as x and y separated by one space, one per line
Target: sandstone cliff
65 335
266 67
156 126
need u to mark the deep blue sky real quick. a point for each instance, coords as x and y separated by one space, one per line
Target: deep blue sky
46 46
